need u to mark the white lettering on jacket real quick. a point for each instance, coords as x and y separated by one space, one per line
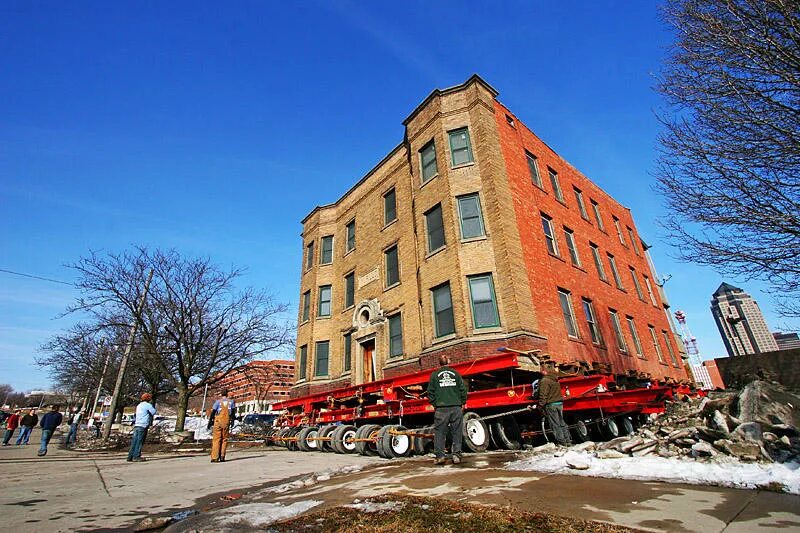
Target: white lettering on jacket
447 378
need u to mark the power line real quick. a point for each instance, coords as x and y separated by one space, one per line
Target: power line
36 277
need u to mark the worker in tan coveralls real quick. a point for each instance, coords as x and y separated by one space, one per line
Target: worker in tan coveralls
220 420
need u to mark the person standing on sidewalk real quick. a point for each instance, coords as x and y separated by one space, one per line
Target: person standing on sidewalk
220 420
49 423
552 401
448 394
27 424
74 422
12 423
145 412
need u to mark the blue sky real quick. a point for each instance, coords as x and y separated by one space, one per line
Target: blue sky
215 129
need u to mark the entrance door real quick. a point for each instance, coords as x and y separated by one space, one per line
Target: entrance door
368 366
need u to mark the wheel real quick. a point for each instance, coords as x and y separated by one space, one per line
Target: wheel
423 445
393 446
506 434
291 445
283 433
325 431
367 431
476 434
609 429
307 439
341 439
580 432
268 436
626 425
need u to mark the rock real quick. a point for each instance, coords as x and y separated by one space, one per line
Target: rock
665 452
784 430
762 401
545 448
741 449
587 446
769 437
703 449
647 450
681 434
749 431
721 444
630 444
651 443
785 440
686 443
710 435
613 443
609 454
707 408
152 522
719 422
576 461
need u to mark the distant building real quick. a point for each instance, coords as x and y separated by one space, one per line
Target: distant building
787 341
708 376
257 384
740 322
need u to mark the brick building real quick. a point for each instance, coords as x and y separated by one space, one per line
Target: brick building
257 384
470 235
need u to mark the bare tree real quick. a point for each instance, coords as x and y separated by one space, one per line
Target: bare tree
730 155
262 375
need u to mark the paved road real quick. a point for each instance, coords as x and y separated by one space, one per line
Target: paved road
69 491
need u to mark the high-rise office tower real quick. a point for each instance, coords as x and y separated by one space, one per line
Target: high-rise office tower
740 322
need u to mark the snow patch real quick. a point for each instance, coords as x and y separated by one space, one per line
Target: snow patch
376 507
263 514
724 472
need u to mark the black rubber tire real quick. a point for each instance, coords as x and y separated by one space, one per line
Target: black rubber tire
609 429
580 432
626 425
303 443
423 445
292 444
475 433
268 436
393 446
506 433
338 439
281 434
325 431
364 432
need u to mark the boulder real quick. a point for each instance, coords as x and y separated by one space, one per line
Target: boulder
703 449
686 443
762 401
645 445
710 435
742 449
748 431
613 443
609 454
626 447
769 437
719 422
681 434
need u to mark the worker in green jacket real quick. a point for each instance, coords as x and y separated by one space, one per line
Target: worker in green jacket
552 402
448 394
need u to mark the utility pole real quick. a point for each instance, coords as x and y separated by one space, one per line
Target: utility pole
124 363
102 377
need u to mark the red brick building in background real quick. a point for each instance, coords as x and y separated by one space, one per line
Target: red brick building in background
470 235
256 385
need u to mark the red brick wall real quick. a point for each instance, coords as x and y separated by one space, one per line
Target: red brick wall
547 273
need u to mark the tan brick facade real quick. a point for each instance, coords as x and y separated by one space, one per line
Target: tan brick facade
511 249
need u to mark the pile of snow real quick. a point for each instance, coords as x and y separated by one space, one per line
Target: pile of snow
376 507
263 514
724 472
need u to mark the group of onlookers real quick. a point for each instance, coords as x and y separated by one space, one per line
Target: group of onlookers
49 422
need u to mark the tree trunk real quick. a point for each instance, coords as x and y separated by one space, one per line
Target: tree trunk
183 405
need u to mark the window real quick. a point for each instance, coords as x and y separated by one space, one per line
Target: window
351 236
433 221
650 291
428 160
601 271
306 305
533 168
614 272
669 348
591 321
636 284
597 217
510 120
549 235
443 311
392 266
350 290
619 230
556 185
581 205
395 335
301 370
621 344
656 346
389 207
324 307
321 361
637 344
310 255
565 299
469 210
569 235
460 147
484 305
348 352
633 240
326 250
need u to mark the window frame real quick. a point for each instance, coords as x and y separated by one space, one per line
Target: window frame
670 351
612 262
347 352
305 309
598 262
549 235
619 231
568 314
465 197
350 235
555 183
581 203
349 289
398 319
493 299
309 256
632 237
595 334
393 194
386 270
468 147
650 290
572 247
328 301
428 233
432 146
637 287
317 344
654 338
596 210
328 238
622 344
533 169
303 363
637 342
436 325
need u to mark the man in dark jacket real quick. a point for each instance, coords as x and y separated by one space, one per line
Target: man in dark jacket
448 394
552 401
49 423
27 424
